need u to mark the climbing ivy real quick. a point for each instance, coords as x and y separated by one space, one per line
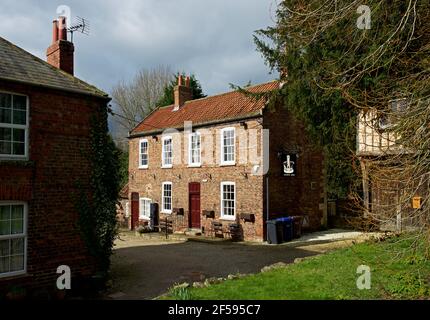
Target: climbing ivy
97 206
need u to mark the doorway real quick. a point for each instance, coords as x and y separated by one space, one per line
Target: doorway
134 210
194 204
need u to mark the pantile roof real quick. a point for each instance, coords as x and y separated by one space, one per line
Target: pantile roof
223 107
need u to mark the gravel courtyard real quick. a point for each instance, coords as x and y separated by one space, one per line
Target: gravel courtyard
146 268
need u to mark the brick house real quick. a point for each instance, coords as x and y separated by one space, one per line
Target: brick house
208 165
44 139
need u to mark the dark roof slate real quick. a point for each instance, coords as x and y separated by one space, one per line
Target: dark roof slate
19 65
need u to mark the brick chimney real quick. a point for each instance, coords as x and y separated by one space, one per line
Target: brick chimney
182 92
60 52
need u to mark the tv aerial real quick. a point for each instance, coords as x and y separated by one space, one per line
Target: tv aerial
80 25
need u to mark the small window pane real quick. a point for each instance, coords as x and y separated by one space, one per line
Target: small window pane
5 115
144 160
17 226
18 148
19 102
4 248
19 117
17 263
5 100
5 147
5 212
17 246
18 212
4 227
5 134
19 135
4 264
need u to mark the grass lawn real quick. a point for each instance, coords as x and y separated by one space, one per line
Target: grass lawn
397 272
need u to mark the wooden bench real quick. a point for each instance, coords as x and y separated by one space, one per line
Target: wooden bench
217 229
166 226
235 231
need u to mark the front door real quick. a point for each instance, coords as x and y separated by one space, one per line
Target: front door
134 210
194 204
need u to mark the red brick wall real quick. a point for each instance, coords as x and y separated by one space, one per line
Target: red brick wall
59 144
61 55
300 195
249 188
303 194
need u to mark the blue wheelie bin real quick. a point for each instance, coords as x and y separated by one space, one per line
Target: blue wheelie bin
287 228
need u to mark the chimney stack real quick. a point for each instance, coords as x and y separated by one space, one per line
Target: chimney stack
60 53
54 31
182 92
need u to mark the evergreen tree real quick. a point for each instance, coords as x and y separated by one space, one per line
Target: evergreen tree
333 69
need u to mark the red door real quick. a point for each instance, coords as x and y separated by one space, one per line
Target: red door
134 210
194 204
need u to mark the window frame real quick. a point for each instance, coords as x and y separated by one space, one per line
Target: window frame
163 210
142 166
17 236
141 216
127 209
190 150
228 162
163 159
25 127
222 215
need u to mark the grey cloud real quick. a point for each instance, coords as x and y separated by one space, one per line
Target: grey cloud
211 38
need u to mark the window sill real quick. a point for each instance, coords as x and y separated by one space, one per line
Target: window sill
195 165
227 164
143 167
16 162
166 212
144 218
167 167
14 275
13 157
228 218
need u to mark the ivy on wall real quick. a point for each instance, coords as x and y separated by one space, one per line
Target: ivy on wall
97 206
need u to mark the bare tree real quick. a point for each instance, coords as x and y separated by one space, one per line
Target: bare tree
135 99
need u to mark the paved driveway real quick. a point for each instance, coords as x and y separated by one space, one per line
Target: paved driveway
144 269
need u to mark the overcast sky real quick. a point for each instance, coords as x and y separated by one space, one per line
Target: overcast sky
210 38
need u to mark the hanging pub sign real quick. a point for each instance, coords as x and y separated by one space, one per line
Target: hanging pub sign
289 164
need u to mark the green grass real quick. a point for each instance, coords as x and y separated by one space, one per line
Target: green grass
397 272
